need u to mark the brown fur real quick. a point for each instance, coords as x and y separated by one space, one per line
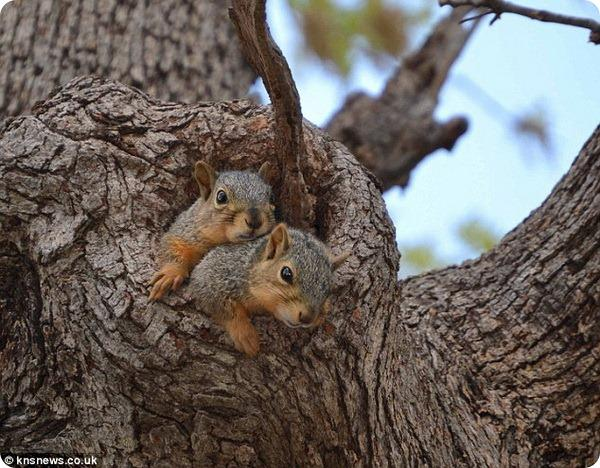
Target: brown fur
243 334
270 291
185 252
235 282
246 214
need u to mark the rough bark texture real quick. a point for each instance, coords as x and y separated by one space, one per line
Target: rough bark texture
516 333
391 133
177 50
494 362
250 19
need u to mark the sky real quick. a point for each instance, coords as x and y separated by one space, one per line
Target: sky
491 174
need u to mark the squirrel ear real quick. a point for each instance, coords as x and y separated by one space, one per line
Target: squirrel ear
337 260
264 170
278 243
205 175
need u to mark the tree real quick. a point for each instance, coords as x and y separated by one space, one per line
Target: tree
493 362
179 50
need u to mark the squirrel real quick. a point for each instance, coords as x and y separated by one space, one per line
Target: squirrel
234 206
287 274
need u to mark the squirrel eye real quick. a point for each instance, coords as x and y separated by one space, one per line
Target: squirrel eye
287 275
221 197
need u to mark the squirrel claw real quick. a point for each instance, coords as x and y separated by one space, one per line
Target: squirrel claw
177 282
158 275
168 278
160 288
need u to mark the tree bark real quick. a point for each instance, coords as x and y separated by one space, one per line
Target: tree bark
186 51
177 50
495 362
393 132
250 19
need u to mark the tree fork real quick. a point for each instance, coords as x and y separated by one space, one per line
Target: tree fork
398 375
493 362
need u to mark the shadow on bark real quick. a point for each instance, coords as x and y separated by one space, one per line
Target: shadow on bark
491 362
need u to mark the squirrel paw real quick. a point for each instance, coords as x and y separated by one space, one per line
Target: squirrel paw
169 277
245 339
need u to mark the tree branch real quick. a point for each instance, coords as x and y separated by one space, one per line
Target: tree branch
87 186
497 7
494 362
390 134
249 17
521 326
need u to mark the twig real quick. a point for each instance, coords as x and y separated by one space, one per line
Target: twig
391 133
476 17
250 19
500 6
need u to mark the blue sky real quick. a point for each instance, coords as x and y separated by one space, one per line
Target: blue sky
491 174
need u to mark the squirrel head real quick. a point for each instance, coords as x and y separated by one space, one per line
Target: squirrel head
240 203
293 276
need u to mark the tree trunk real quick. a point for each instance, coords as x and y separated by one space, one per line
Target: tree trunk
177 50
495 362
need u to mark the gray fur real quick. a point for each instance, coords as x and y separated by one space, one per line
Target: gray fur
223 275
314 267
245 187
186 224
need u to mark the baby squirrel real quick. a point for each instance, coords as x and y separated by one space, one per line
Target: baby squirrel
287 274
234 206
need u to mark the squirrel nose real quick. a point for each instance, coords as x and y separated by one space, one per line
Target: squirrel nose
253 220
305 317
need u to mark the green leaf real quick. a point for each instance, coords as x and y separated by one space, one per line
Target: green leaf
477 235
335 34
420 257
